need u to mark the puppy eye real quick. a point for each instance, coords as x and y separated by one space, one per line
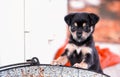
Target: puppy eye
75 24
84 24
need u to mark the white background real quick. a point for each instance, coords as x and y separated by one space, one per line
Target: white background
41 20
26 26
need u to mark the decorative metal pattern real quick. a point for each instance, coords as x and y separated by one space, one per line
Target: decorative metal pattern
44 70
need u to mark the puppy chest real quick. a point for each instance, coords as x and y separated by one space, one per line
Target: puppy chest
79 54
76 50
75 56
80 51
84 50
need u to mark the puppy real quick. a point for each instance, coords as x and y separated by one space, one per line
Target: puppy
80 50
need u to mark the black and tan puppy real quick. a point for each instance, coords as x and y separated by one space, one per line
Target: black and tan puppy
80 50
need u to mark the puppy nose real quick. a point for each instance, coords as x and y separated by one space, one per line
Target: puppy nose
79 34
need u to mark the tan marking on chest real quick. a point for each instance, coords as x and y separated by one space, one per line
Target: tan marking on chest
86 50
70 47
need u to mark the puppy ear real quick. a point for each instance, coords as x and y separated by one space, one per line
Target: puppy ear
68 18
94 18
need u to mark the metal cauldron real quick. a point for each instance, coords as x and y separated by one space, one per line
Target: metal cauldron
32 68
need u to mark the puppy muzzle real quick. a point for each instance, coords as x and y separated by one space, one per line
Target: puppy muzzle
79 34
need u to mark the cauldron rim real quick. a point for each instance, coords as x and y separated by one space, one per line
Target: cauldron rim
19 65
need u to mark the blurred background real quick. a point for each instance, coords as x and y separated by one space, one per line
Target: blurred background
36 28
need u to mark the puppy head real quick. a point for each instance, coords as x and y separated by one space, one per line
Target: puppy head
81 25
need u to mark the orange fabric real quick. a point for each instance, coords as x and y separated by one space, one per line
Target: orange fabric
107 58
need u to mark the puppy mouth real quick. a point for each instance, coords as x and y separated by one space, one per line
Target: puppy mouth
77 38
80 39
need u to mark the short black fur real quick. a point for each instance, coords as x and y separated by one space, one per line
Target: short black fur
90 19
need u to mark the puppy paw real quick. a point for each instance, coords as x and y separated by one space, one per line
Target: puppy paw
55 62
81 65
62 60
